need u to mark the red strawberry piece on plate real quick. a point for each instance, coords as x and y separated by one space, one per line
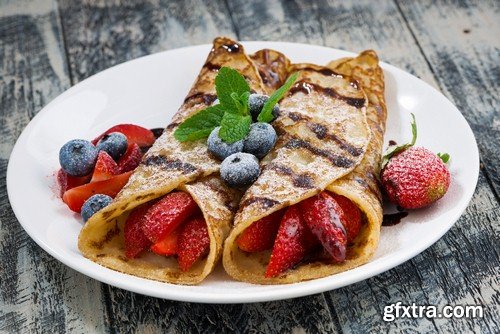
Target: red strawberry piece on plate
324 219
194 242
168 245
135 240
75 197
131 159
415 178
105 167
261 234
352 214
66 181
134 133
168 213
291 244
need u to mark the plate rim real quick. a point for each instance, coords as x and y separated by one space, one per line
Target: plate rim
296 289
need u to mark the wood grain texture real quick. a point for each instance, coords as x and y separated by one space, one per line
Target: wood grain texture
37 293
47 46
117 31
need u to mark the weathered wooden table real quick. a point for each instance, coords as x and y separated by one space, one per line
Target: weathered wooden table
46 46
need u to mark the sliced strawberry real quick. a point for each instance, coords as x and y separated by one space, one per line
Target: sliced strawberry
352 214
131 159
324 219
168 245
75 197
168 213
194 242
66 181
261 234
134 133
291 243
105 167
135 240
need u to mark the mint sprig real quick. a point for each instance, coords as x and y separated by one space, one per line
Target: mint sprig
234 127
200 125
266 114
393 150
232 113
230 85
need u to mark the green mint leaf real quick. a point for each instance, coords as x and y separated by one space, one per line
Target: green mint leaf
393 150
266 114
234 127
227 82
444 156
200 124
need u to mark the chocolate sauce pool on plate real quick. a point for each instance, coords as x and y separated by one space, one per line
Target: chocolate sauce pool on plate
391 219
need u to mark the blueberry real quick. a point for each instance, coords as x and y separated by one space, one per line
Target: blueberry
256 103
239 170
220 148
78 157
94 204
260 140
114 143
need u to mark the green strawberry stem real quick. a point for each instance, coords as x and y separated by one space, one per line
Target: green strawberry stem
445 157
393 150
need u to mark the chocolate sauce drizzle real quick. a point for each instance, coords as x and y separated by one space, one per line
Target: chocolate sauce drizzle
308 87
207 99
211 66
232 48
392 219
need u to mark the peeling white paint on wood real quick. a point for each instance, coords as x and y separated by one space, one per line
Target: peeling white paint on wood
426 38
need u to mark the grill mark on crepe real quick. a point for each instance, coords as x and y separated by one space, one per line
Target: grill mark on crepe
321 132
336 160
307 87
298 180
166 163
206 98
264 201
228 202
369 187
109 235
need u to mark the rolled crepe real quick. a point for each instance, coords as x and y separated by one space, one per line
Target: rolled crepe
169 165
331 137
273 68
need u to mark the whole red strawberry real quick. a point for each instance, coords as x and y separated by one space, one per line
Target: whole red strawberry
414 177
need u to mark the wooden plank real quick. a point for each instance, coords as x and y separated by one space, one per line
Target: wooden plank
124 30
37 293
117 31
446 273
460 42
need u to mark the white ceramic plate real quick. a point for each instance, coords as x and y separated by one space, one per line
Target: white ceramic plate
147 91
